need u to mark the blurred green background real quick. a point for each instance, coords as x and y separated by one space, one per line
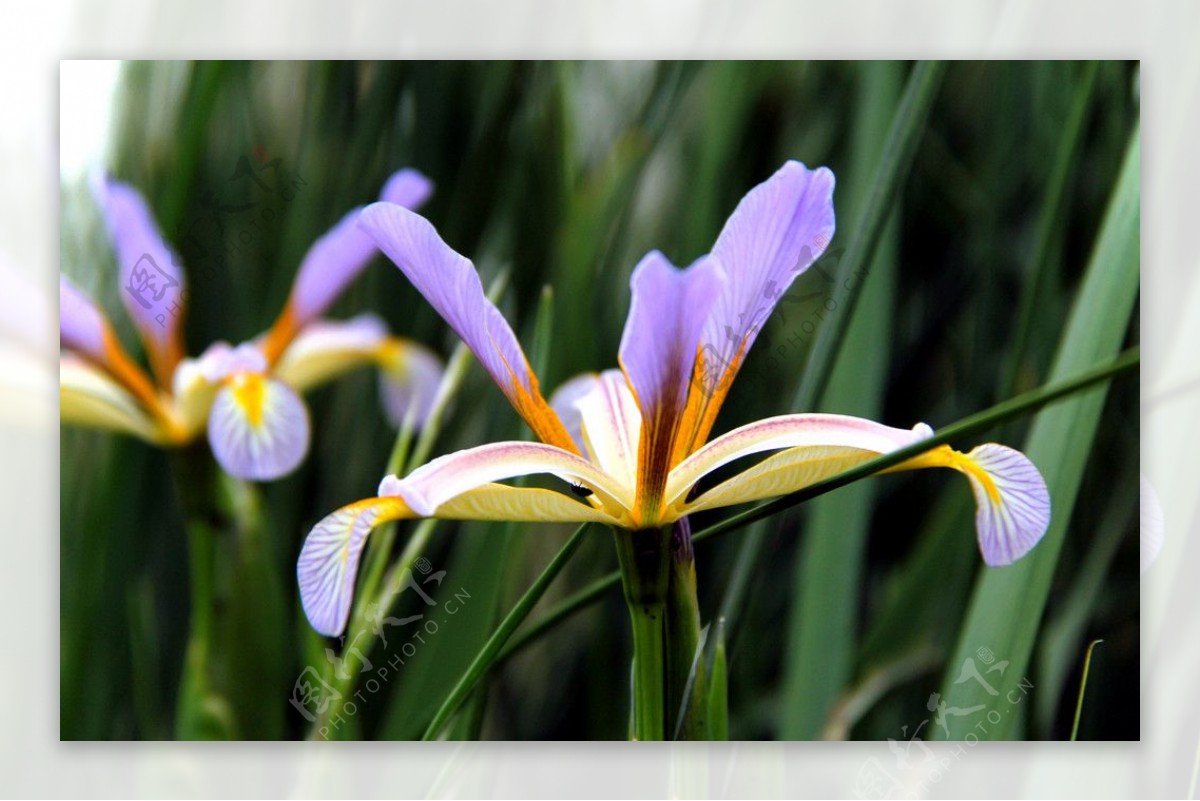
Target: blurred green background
846 619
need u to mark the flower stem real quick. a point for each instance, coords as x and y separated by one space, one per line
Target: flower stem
645 560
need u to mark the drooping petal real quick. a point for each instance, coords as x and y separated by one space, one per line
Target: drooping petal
151 275
450 284
89 397
776 232
327 348
81 326
335 260
565 403
258 427
447 477
667 314
328 562
611 427
824 436
1011 500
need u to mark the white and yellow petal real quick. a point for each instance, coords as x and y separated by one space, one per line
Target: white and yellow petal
818 437
89 397
431 486
1013 504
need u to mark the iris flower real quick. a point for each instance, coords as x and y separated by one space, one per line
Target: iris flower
633 444
247 396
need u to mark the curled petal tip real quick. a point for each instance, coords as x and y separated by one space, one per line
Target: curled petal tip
408 187
1013 504
389 487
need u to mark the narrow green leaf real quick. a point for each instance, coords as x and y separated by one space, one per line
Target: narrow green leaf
818 660
1008 603
718 690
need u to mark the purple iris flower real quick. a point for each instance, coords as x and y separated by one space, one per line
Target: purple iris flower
248 397
634 441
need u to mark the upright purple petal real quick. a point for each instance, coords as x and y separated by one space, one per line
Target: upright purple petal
450 284
152 281
81 326
340 255
778 229
258 427
658 352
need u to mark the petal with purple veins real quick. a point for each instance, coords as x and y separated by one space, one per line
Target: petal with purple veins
258 427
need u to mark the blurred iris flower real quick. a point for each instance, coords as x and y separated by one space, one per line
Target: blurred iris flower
632 442
248 395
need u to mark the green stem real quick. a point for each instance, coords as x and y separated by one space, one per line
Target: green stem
645 561
200 712
687 688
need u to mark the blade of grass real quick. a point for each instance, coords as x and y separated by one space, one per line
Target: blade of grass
819 658
1008 604
1052 203
1087 664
